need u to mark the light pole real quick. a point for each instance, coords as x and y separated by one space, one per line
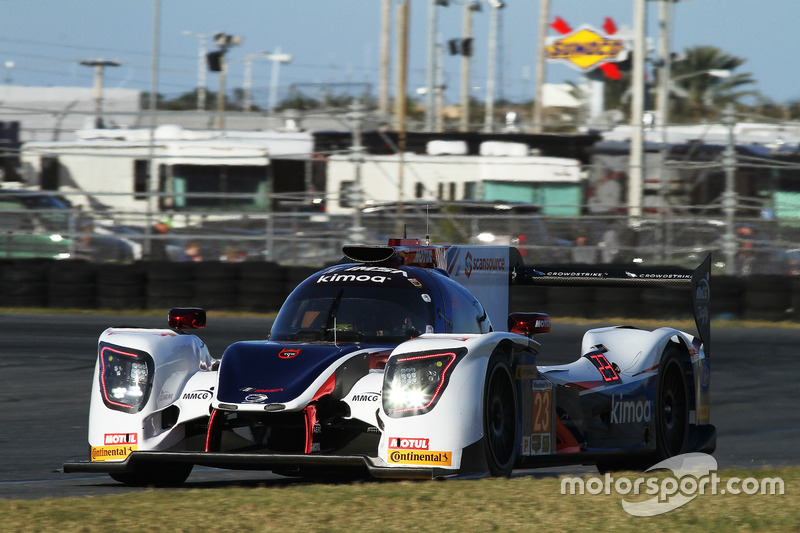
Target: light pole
224 41
202 67
277 58
496 6
636 162
466 36
99 65
431 67
9 68
248 77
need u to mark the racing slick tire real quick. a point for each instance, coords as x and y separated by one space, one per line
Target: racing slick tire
500 416
672 406
156 475
671 418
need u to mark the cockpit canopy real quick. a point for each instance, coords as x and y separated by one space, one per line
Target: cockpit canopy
377 305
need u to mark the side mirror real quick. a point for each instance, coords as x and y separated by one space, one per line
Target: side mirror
528 324
187 318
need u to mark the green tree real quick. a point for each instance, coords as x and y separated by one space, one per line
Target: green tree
700 93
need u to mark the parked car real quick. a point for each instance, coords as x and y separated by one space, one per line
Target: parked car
41 225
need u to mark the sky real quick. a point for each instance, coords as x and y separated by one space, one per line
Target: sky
338 41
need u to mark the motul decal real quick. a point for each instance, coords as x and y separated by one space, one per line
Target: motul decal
287 353
398 443
120 438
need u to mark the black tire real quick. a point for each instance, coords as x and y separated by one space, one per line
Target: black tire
155 475
672 406
500 417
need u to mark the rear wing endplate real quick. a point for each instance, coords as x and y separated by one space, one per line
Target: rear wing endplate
698 281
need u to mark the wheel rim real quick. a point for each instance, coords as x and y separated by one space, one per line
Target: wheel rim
673 414
500 418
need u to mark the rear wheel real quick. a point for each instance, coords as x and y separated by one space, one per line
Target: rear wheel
156 475
672 406
671 417
500 417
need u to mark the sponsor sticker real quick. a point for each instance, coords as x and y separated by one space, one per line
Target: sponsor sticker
287 353
112 453
120 438
399 443
412 457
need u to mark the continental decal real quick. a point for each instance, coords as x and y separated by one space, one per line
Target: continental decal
112 453
526 372
411 457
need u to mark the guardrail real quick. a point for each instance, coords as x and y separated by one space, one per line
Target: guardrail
263 286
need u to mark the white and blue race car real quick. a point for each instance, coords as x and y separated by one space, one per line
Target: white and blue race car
403 361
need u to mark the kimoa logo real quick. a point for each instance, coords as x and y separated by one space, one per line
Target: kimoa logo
628 411
352 277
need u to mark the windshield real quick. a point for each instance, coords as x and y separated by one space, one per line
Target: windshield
365 314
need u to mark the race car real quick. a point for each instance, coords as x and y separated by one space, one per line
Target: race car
403 361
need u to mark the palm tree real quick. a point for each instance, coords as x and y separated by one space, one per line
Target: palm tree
702 94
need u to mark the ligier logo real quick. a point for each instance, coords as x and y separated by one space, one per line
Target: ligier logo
628 411
398 443
120 438
287 353
411 457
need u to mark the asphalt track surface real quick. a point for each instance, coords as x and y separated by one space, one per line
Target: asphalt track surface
47 361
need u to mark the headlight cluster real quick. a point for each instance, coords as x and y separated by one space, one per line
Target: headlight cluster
126 377
413 383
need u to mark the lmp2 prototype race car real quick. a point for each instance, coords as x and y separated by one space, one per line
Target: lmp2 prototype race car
402 361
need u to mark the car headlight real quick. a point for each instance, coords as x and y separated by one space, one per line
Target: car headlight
413 383
126 377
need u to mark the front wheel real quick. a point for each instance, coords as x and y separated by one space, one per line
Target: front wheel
500 417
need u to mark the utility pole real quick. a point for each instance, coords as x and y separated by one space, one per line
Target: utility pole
466 36
440 87
430 96
224 41
636 164
202 67
99 65
383 84
729 196
662 104
404 12
541 68
356 117
277 58
488 123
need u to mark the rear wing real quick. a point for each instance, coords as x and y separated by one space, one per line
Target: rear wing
698 281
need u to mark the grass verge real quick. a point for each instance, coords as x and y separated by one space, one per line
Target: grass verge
519 504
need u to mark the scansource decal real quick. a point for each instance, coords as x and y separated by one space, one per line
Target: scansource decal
411 457
483 263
